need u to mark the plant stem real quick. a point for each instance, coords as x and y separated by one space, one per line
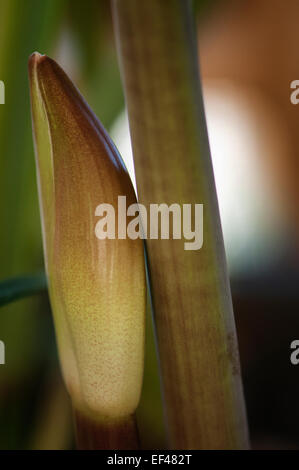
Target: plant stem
106 435
193 314
20 287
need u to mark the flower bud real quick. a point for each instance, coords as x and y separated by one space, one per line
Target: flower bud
97 286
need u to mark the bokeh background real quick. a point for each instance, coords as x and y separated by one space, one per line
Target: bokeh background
248 57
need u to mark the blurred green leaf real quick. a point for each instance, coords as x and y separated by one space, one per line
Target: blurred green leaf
91 30
201 7
24 27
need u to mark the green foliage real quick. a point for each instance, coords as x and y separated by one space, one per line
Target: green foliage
24 26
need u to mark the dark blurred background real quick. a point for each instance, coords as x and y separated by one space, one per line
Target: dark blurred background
248 57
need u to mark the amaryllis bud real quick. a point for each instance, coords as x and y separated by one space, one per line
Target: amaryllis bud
97 286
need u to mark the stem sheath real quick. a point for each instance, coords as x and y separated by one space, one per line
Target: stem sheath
106 435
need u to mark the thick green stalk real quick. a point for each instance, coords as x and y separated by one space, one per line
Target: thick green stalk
193 313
